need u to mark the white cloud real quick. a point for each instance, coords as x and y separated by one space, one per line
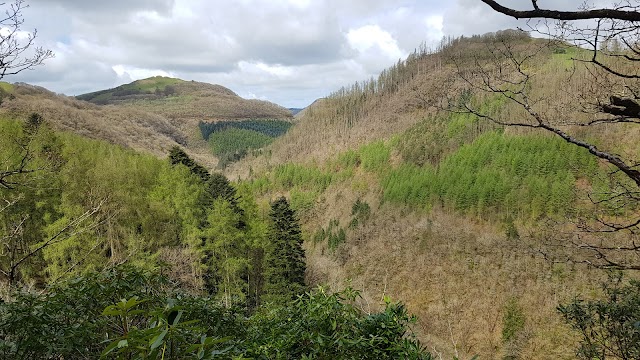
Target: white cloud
287 51
132 73
367 37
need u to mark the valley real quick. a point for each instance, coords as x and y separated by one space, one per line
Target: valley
487 185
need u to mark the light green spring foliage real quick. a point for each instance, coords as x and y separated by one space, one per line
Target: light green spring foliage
28 200
305 183
133 207
138 204
179 193
142 206
255 237
225 248
375 156
530 176
308 177
472 169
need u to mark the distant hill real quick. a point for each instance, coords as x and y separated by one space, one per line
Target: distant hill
152 88
128 127
150 115
295 111
186 99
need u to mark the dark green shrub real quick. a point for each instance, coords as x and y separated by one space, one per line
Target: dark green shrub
608 327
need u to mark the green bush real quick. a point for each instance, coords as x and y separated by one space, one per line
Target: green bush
608 327
360 212
513 326
75 320
328 326
127 313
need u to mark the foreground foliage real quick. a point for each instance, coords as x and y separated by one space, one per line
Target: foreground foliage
609 327
128 313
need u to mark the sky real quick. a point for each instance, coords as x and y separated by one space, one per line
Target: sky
290 52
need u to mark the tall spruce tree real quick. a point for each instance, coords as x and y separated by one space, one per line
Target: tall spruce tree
285 261
178 156
219 187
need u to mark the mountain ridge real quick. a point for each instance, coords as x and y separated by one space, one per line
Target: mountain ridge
150 115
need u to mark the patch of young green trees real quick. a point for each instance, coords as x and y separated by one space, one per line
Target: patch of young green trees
526 175
232 140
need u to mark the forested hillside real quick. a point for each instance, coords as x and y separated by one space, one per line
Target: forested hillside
467 221
475 200
150 115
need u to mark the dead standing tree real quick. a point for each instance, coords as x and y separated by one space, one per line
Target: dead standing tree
604 53
17 50
17 54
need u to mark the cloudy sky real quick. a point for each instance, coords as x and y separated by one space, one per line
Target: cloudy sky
290 52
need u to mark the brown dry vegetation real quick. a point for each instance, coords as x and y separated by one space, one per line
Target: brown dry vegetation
148 125
207 102
456 276
456 272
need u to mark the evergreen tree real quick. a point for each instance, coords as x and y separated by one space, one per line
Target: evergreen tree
178 156
220 188
285 261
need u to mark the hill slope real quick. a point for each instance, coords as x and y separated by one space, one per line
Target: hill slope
182 99
445 211
150 115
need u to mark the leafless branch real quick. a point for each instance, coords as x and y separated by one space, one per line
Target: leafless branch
605 92
564 15
15 43
72 228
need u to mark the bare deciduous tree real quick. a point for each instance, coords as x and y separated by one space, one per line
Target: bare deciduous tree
17 50
601 90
